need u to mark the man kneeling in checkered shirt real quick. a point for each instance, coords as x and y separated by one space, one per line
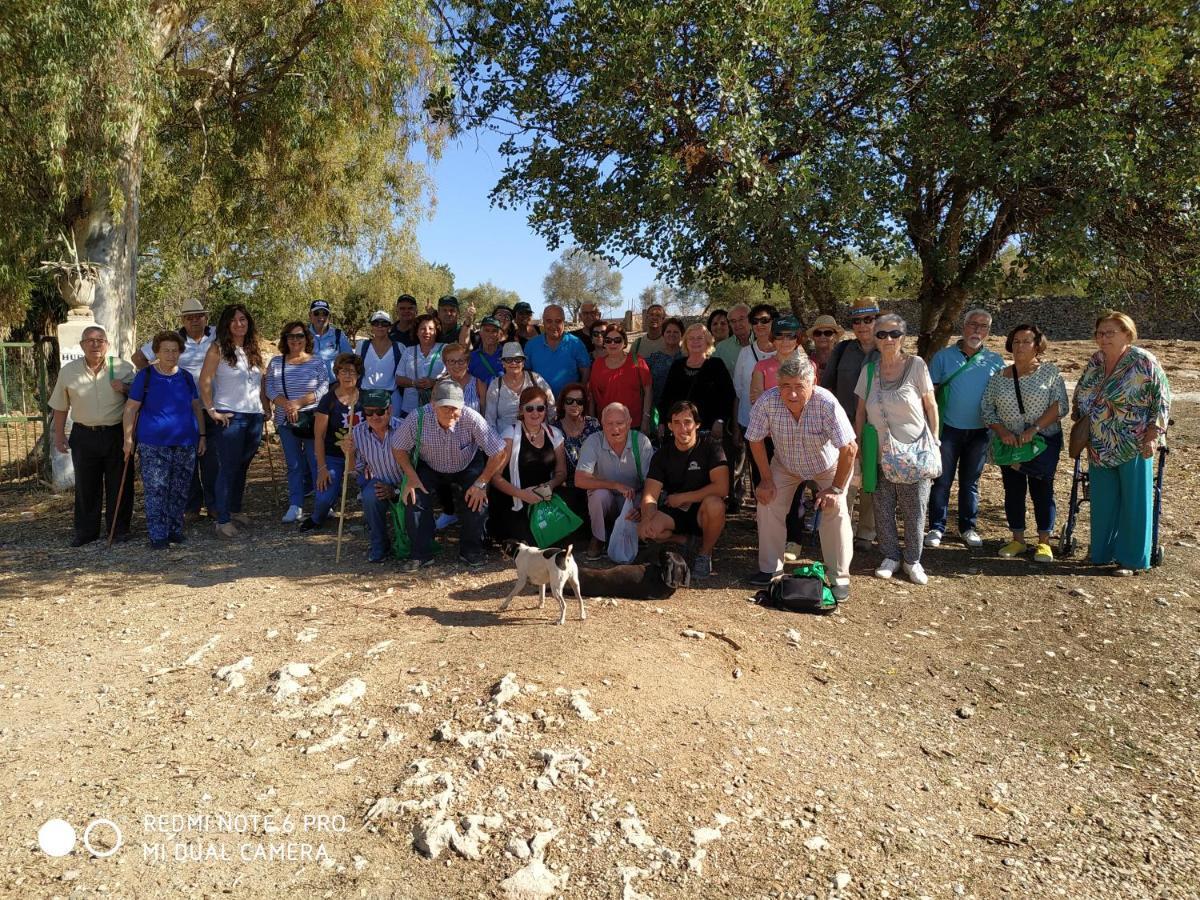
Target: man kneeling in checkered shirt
814 441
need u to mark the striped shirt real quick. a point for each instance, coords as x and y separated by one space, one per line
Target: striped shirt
448 450
296 380
374 457
807 446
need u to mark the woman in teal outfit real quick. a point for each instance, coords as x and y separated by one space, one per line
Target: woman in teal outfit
1125 392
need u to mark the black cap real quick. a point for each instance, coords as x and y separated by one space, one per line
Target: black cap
448 300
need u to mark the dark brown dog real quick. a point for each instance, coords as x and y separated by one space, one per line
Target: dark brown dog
651 581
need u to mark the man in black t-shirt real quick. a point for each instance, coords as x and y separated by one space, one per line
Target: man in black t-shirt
693 478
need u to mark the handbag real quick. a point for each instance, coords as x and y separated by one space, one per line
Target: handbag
803 591
1002 453
305 419
1081 431
401 542
551 521
868 449
909 463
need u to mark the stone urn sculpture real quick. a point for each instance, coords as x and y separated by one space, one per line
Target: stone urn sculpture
76 279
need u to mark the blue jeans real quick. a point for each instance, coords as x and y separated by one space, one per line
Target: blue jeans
1041 490
235 445
420 515
964 450
203 489
324 500
375 515
301 461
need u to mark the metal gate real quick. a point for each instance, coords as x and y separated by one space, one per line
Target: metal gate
24 411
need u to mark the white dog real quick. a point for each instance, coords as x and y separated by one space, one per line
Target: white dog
554 568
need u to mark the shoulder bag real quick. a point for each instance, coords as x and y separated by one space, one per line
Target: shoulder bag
942 394
305 419
1004 455
909 463
868 446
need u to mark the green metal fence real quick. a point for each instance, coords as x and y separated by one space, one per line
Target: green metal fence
24 397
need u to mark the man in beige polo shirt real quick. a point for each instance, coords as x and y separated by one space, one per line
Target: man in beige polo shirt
94 389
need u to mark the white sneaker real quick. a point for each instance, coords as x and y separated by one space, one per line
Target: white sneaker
933 538
971 538
915 573
292 515
444 521
887 568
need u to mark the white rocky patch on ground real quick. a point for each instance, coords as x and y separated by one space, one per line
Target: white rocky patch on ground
342 698
284 683
580 704
234 674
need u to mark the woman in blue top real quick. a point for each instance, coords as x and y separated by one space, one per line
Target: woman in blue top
296 381
164 407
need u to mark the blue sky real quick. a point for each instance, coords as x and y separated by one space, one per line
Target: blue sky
483 243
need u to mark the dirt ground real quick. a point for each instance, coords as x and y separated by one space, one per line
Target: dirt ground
1004 731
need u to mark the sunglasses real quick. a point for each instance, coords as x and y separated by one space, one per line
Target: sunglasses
761 320
614 340
786 336
532 407
515 361
296 336
895 334
823 333
374 413
320 313
573 401
862 320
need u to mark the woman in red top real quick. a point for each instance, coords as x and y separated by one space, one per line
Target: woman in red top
619 378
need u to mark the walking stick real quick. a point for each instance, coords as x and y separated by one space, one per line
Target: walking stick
337 557
112 528
271 467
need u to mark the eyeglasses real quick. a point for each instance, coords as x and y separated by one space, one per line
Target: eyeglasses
894 335
1107 333
572 401
296 336
978 326
824 333
94 341
614 340
456 362
530 407
761 320
374 413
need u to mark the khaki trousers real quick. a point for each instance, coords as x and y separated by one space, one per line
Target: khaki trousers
837 537
866 511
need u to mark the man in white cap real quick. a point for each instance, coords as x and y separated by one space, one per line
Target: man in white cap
452 445
327 342
93 390
197 335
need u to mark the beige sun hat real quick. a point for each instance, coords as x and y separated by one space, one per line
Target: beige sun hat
191 306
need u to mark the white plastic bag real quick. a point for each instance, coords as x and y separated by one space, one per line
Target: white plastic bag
623 542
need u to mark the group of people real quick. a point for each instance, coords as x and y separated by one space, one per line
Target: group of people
486 420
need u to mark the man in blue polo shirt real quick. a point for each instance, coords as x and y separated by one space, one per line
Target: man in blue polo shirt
960 373
560 358
327 342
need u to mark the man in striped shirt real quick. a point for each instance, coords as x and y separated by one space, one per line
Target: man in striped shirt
373 456
814 441
453 445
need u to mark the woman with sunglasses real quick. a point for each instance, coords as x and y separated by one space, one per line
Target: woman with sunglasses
597 347
718 325
825 334
537 465
339 411
901 402
296 381
576 427
786 335
761 347
622 378
502 402
457 359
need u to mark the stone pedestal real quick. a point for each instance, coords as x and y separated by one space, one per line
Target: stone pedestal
69 334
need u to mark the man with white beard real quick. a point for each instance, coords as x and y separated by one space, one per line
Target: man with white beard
960 373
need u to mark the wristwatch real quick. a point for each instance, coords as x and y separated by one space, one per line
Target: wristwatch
834 489
480 485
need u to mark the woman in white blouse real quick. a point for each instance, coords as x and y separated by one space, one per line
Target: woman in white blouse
231 391
422 365
504 393
537 465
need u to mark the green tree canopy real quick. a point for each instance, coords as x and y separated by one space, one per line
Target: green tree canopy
579 277
486 297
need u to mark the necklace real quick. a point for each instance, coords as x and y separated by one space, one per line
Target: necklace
532 436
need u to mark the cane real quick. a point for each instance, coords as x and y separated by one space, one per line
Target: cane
337 557
271 467
112 528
